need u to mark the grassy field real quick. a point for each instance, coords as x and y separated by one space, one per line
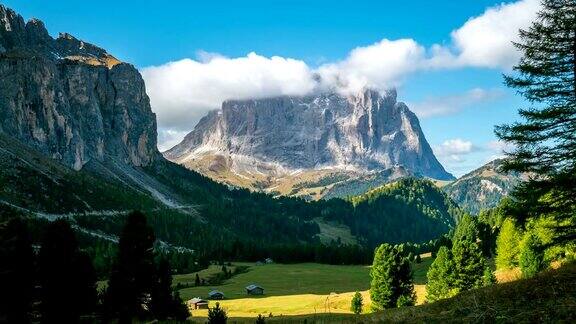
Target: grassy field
293 289
550 297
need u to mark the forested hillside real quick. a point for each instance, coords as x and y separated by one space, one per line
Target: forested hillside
190 212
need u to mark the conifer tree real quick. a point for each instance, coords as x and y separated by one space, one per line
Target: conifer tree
164 303
133 276
217 315
357 303
67 278
545 138
507 245
161 303
441 277
469 265
531 256
391 279
16 272
467 229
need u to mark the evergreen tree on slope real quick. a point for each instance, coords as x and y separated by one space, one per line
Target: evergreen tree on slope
545 139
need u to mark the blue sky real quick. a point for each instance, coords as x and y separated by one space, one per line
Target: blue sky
450 71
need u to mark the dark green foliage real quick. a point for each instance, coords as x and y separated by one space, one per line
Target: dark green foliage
242 225
410 210
197 280
165 304
391 279
16 271
441 277
461 268
133 275
467 229
488 278
180 310
260 319
37 183
544 139
469 265
531 256
217 315
418 258
67 278
357 303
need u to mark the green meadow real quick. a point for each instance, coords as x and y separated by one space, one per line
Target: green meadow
292 289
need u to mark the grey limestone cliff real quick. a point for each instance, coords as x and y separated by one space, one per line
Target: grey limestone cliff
364 131
69 99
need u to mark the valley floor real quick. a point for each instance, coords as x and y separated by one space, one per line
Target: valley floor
550 297
293 289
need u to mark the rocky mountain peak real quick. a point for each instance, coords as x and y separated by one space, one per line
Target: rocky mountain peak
71 99
365 132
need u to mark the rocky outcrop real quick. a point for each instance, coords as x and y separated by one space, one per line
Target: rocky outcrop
69 99
362 132
484 187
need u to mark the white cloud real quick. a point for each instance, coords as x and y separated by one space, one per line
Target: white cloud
499 149
381 65
181 92
486 40
454 149
454 155
445 105
168 138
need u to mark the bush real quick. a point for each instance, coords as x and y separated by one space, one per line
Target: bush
260 319
356 303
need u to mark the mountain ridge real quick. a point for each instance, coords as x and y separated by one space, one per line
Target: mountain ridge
249 142
483 187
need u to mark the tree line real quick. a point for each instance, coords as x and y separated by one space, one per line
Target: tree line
56 282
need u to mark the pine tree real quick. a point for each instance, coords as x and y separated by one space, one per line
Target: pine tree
391 278
467 229
161 304
469 265
531 256
441 277
217 315
16 272
545 139
164 303
180 311
67 278
197 280
507 245
357 303
133 276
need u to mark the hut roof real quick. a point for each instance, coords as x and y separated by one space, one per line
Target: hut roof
197 300
252 287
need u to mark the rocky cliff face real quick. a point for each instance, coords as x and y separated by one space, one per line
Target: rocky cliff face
69 99
362 132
